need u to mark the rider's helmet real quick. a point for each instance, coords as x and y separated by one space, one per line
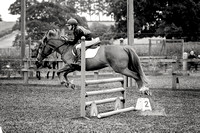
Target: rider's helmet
72 21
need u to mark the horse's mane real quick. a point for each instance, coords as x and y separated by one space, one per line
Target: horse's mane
51 34
55 33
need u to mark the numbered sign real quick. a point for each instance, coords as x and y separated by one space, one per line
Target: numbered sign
143 104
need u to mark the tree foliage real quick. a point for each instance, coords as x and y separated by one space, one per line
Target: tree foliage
90 7
178 18
43 16
99 29
15 8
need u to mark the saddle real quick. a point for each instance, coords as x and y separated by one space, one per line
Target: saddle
77 53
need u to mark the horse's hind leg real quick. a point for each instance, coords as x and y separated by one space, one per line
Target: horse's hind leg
138 80
133 75
129 73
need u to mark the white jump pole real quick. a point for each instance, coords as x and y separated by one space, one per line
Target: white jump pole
103 81
82 100
99 92
102 115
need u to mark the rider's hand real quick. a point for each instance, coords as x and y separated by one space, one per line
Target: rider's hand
78 46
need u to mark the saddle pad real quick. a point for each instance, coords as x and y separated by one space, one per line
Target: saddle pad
90 53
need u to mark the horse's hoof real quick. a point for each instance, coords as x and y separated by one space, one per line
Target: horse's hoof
67 85
147 92
73 86
62 82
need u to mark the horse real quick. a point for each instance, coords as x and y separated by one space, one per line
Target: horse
122 59
45 64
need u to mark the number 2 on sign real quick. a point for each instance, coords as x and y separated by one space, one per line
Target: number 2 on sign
146 104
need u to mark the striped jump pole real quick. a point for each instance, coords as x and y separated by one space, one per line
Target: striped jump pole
82 100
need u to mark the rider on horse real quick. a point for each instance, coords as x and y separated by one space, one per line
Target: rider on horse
78 32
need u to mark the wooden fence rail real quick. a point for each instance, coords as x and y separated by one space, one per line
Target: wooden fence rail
27 68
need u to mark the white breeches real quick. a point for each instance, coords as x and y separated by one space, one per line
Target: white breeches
89 43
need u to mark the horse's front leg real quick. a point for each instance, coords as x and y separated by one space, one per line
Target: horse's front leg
68 83
62 74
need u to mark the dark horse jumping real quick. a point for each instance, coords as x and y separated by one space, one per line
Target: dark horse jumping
122 59
45 64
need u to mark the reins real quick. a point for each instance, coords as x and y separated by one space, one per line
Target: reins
53 47
56 48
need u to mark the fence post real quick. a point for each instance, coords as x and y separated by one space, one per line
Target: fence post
183 47
25 73
149 47
8 68
29 57
185 56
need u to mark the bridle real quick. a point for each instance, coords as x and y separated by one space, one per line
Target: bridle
52 46
45 43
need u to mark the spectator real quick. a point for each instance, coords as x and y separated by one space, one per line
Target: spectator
192 63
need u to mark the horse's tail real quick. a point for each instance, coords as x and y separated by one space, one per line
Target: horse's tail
135 64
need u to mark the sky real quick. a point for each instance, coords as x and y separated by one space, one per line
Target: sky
4 6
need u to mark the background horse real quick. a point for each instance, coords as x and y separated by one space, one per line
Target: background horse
45 64
122 59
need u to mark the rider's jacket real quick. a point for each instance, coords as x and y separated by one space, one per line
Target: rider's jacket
80 31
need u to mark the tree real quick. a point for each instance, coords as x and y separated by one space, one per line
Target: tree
88 6
99 29
44 16
168 18
184 16
119 9
15 8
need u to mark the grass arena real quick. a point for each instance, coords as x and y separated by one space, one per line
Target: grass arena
45 106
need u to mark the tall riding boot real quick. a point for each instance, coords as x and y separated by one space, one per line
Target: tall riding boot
77 63
78 56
